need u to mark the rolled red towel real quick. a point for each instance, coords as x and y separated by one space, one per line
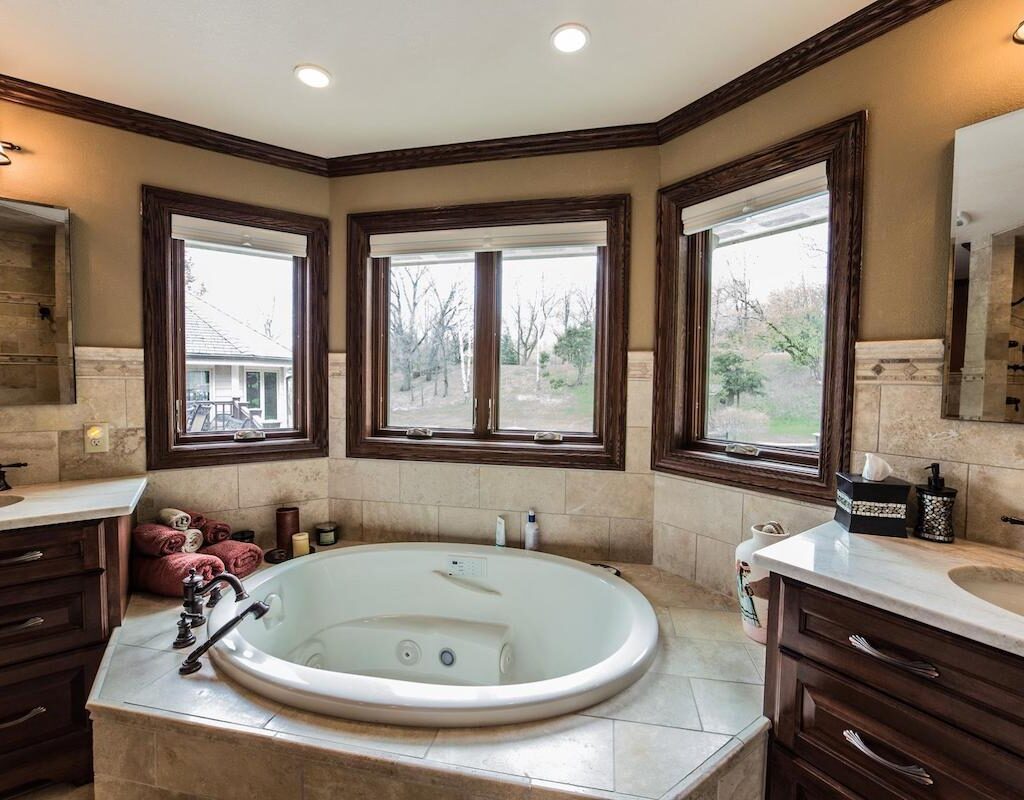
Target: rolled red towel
240 558
214 531
154 539
198 519
164 575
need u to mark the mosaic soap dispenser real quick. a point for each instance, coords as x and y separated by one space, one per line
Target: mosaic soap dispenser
935 508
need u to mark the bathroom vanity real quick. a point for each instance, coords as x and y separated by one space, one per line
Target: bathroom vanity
63 589
887 679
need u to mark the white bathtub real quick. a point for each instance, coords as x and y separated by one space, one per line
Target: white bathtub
384 633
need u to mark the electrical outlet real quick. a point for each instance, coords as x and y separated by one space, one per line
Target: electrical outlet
97 437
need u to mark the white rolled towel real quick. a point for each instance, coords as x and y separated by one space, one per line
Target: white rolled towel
174 518
193 540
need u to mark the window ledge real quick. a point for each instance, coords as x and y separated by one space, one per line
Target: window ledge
572 455
796 482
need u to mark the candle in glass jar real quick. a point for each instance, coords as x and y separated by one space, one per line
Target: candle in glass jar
300 544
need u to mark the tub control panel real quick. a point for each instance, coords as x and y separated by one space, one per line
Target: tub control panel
466 567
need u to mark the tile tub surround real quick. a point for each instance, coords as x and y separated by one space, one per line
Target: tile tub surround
898 414
908 577
691 727
52 503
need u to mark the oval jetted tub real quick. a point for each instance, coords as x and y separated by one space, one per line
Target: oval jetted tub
438 634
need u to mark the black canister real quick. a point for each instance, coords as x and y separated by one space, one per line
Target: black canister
326 533
935 508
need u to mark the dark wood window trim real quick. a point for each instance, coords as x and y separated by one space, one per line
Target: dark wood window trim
163 307
367 343
680 351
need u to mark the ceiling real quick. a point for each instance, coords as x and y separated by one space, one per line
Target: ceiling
407 73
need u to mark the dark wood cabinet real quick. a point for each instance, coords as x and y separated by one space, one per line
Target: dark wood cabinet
62 591
867 704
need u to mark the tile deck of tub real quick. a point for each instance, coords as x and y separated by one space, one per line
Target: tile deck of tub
691 727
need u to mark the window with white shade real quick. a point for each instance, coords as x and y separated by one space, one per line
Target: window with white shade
235 331
486 333
758 267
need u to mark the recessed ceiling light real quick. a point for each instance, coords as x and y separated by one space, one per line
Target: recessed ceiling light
312 75
570 37
1018 35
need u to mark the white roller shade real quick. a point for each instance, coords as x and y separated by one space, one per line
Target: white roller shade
505 237
237 238
759 197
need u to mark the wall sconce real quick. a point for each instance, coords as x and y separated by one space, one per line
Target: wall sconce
1018 35
5 159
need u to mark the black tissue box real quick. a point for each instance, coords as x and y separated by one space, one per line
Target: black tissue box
876 507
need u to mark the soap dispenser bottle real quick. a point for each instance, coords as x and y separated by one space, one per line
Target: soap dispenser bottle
935 508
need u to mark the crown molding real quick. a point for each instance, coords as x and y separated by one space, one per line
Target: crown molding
643 134
848 34
855 30
69 104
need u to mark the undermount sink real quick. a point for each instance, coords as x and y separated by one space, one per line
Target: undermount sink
9 500
1000 586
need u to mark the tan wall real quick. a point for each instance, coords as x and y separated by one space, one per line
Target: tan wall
952 67
633 171
97 172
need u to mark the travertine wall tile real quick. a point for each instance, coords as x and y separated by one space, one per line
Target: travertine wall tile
995 492
38 449
675 550
281 482
127 455
585 538
608 494
198 489
389 522
477 525
522 488
705 508
440 484
630 540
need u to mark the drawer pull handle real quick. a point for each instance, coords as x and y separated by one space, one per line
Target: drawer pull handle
911 771
35 712
922 668
24 558
31 622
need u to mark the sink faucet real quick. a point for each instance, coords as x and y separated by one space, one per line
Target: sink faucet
194 590
193 664
1011 520
4 485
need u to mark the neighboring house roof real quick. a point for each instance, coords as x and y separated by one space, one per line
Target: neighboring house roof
212 333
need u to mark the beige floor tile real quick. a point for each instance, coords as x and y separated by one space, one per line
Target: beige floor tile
757 655
572 749
205 694
656 699
698 623
703 658
650 759
727 707
133 668
393 739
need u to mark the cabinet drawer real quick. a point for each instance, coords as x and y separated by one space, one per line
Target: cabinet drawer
52 551
881 748
792 779
40 619
969 685
43 700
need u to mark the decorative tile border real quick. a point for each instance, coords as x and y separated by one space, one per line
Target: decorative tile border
109 362
640 365
916 361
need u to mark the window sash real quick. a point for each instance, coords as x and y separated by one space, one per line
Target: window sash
486 357
300 317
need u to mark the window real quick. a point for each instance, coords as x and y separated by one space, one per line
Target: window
491 333
758 267
235 317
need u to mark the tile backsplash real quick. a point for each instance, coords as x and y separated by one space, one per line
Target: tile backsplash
687 527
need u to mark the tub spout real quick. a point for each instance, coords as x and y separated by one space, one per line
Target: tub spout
194 590
193 664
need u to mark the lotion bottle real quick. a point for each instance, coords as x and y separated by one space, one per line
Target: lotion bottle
531 532
499 532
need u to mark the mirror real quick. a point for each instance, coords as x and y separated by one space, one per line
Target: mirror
984 374
37 357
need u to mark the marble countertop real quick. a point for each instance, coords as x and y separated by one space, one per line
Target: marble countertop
908 577
693 719
71 501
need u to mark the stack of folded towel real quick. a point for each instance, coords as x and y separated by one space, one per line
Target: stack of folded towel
180 541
